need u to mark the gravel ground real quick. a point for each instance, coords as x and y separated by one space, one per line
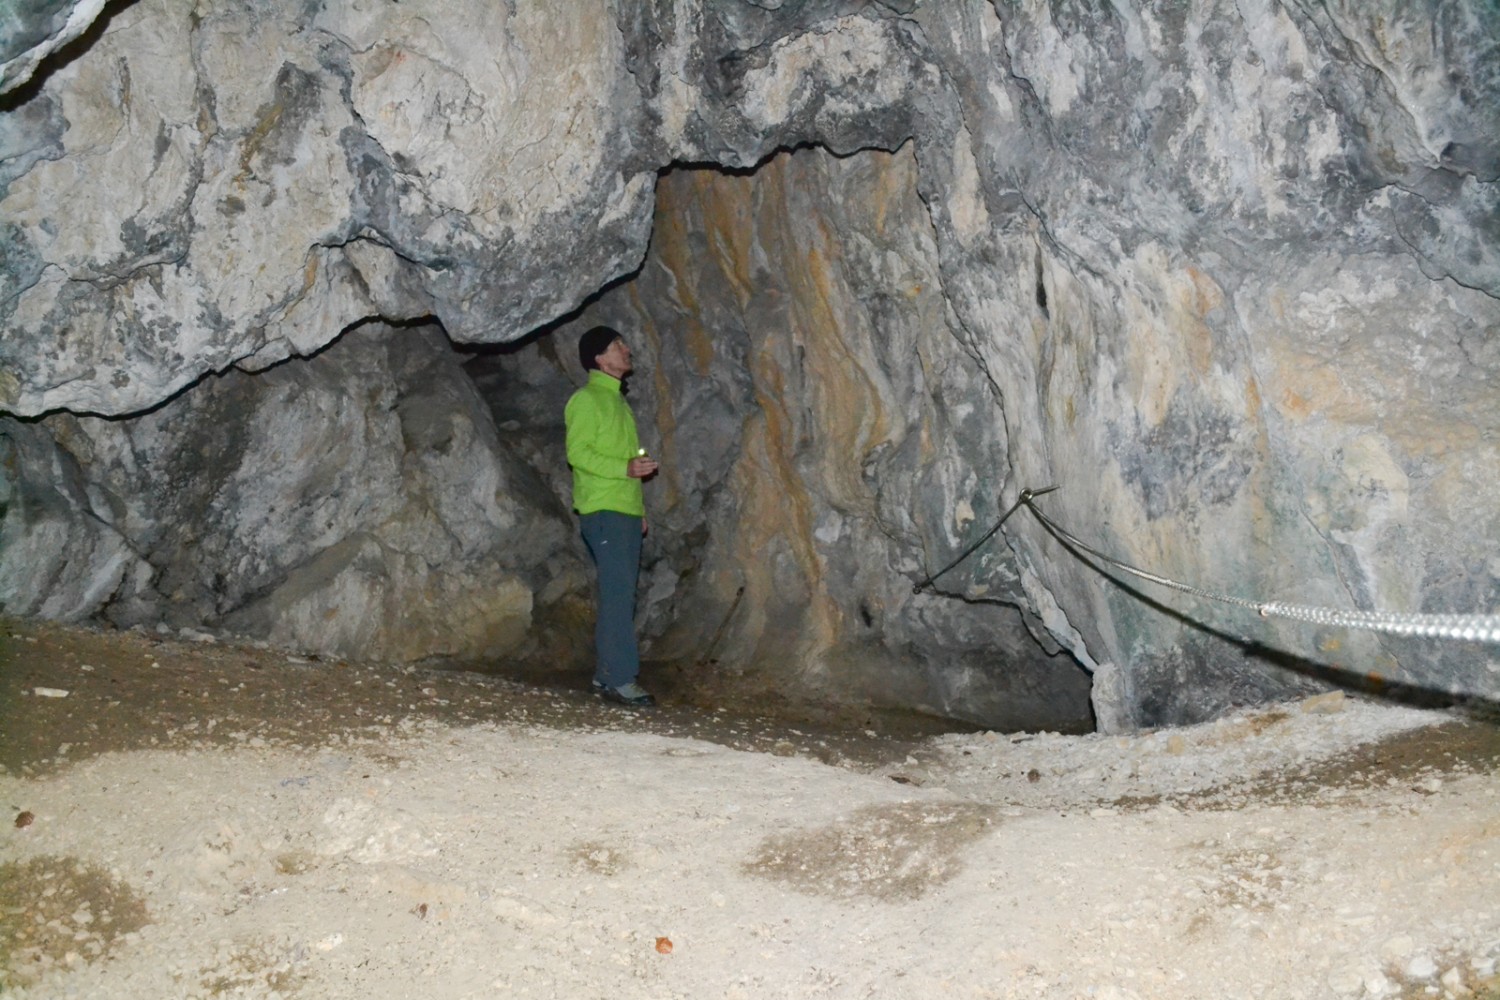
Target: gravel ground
194 818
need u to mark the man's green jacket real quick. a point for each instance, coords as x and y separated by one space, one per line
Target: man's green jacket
601 443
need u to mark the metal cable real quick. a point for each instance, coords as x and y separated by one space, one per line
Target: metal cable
1472 628
1026 497
1074 542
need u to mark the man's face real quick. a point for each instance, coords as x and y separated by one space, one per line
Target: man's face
615 359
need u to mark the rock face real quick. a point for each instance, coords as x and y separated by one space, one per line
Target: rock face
1228 273
356 504
32 30
826 440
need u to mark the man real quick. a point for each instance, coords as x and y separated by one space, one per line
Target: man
608 467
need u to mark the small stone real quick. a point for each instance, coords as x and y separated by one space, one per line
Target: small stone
1397 948
1453 982
1346 981
1421 967
1324 704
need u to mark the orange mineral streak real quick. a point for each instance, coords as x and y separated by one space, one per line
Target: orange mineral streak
668 483
1295 405
820 411
676 218
309 274
850 416
778 509
1196 300
727 204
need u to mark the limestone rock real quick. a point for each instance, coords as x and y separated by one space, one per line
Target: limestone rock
826 442
32 30
356 504
272 179
1166 195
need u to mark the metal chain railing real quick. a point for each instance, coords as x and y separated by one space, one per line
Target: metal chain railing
1470 628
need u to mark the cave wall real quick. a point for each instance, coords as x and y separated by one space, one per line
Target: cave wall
825 437
1226 272
1192 189
259 176
234 183
355 504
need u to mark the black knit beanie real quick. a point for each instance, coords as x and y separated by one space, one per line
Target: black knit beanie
594 343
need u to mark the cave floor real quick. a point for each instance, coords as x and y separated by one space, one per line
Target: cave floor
135 690
198 818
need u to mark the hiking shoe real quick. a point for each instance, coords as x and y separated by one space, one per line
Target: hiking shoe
631 694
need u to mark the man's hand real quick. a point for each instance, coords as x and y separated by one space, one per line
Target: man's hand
640 468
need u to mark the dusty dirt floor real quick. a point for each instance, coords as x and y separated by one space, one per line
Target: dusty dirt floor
187 817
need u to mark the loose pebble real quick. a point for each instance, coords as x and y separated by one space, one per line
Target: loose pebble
1421 967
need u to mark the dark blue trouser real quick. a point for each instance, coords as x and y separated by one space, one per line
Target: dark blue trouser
614 540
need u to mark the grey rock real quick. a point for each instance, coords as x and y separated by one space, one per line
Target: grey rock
58 559
352 504
826 441
32 30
